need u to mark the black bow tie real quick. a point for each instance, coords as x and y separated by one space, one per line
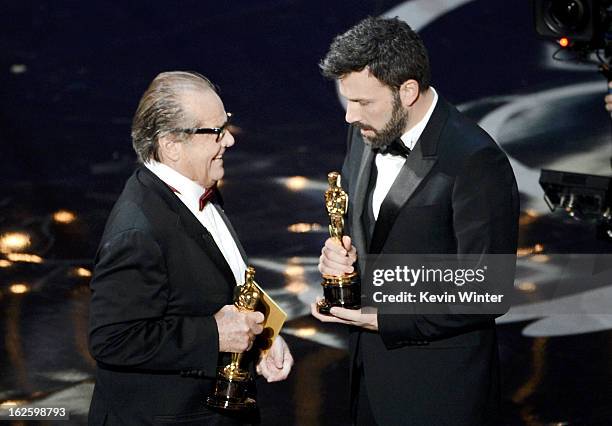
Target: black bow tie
396 147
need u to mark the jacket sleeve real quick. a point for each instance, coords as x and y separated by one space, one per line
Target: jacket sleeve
485 221
129 323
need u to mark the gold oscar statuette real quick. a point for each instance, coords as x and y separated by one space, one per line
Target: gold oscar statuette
339 290
232 385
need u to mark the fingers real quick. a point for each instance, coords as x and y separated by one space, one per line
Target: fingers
325 318
287 361
264 370
258 317
277 352
271 373
357 317
367 319
237 329
608 100
254 321
346 314
346 242
334 250
352 254
277 363
335 259
243 338
277 374
314 311
251 340
330 267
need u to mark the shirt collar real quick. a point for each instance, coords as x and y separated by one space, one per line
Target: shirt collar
411 137
189 190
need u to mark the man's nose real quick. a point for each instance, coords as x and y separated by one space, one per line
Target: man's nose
352 113
228 139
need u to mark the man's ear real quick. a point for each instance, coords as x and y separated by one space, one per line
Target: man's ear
409 92
169 149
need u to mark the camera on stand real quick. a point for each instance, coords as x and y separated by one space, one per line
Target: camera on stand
583 27
583 30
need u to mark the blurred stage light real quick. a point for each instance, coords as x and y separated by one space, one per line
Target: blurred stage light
526 286
301 228
82 272
528 217
296 183
294 270
526 251
540 258
11 242
64 216
19 288
18 68
24 257
296 287
11 403
306 332
295 278
5 263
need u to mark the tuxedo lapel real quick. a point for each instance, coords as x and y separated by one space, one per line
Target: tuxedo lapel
409 178
417 166
190 224
358 233
204 238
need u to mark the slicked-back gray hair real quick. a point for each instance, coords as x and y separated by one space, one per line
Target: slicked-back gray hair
160 110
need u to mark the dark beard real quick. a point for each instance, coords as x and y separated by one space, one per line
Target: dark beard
393 129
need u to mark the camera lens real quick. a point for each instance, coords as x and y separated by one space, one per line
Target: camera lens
566 15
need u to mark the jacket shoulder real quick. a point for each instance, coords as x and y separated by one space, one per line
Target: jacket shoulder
138 208
462 139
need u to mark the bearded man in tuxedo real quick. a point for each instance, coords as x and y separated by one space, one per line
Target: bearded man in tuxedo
422 179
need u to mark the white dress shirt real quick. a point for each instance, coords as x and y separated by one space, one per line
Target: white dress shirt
388 166
189 193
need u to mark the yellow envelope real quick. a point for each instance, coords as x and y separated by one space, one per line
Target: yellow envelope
274 319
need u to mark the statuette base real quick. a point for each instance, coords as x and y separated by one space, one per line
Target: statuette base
341 291
231 393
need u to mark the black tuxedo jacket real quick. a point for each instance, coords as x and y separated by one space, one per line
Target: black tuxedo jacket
455 194
159 278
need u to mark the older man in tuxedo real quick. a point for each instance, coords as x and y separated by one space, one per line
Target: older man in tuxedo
167 267
422 178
